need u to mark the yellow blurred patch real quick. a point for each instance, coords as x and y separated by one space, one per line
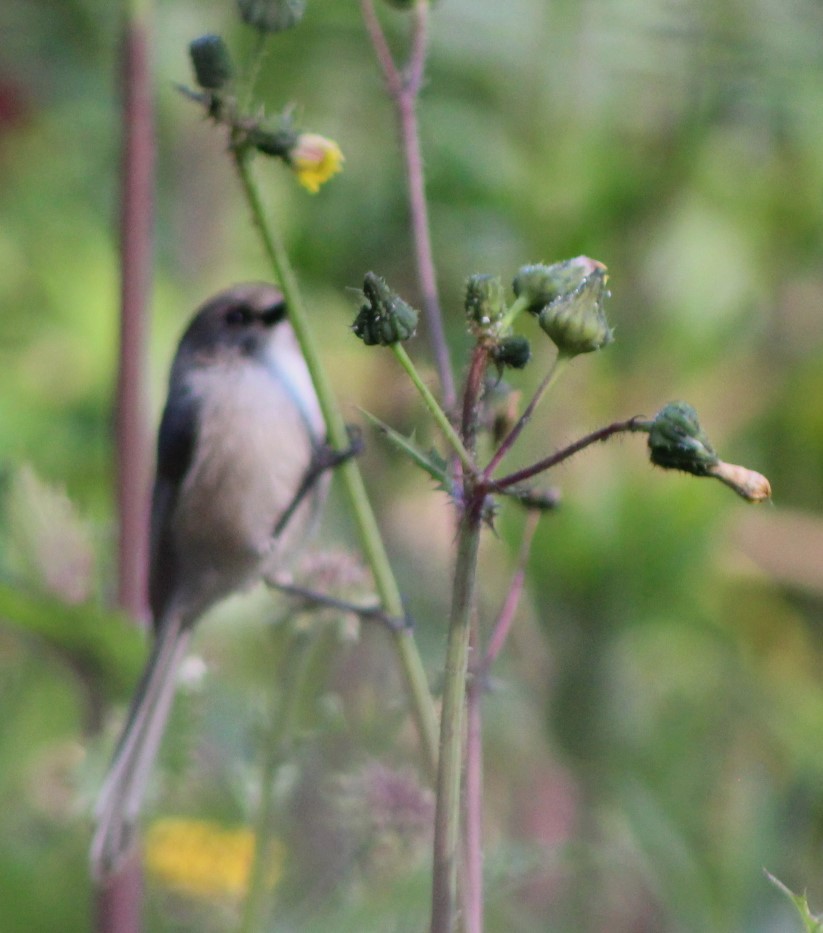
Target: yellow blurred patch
205 860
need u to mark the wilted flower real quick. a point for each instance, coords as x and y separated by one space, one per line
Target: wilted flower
749 484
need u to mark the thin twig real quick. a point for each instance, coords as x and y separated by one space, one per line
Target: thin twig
314 600
403 87
632 424
502 627
506 445
474 897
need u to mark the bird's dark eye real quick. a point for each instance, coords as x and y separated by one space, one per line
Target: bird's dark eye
239 315
273 314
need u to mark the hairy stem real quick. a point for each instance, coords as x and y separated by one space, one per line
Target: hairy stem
349 471
635 424
449 776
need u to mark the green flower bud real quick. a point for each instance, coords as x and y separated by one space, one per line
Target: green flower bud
512 351
272 142
543 284
384 318
212 63
576 321
677 442
271 15
485 300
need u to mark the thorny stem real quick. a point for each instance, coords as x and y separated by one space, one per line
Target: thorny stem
635 424
449 776
370 538
559 364
448 808
403 89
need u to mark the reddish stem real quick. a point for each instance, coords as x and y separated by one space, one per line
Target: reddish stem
603 434
403 88
118 898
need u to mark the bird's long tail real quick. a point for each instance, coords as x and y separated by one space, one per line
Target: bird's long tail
121 797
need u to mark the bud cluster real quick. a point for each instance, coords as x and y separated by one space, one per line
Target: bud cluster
567 298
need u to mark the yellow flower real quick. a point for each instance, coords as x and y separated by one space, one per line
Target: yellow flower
203 859
314 160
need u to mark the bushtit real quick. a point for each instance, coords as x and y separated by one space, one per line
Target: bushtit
235 488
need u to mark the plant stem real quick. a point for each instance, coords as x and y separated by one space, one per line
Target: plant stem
635 424
473 909
449 776
289 691
404 89
118 898
502 627
473 835
432 404
557 367
349 471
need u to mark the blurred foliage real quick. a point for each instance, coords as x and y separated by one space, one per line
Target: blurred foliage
652 740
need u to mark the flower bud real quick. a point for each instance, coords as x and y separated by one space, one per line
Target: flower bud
576 321
540 284
272 142
485 301
384 318
212 63
513 351
271 15
677 442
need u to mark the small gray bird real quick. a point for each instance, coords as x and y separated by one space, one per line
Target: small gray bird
236 486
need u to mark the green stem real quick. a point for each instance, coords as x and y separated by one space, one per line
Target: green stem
518 306
289 685
432 404
449 776
369 533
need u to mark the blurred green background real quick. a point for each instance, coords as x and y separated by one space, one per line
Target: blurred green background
654 732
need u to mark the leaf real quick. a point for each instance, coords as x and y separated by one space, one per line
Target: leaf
103 644
811 923
433 463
